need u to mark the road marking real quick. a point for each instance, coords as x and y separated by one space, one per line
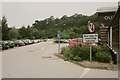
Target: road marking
86 70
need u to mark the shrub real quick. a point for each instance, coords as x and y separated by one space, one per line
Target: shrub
76 52
99 53
100 48
71 52
63 49
84 52
103 56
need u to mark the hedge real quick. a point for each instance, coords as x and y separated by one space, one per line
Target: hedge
79 53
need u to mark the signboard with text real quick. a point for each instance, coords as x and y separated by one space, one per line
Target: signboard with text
58 34
90 38
105 17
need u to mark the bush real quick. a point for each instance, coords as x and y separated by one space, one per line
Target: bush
76 52
100 48
103 56
84 52
71 52
99 53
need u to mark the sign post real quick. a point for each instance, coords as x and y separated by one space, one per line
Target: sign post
90 38
90 52
58 35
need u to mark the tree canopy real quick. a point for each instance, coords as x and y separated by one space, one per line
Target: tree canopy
71 27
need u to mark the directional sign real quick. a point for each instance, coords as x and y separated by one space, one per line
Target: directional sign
59 32
90 38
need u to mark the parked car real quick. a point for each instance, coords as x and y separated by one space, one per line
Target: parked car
29 41
79 41
61 41
65 41
5 45
19 43
25 42
32 41
76 41
11 44
0 45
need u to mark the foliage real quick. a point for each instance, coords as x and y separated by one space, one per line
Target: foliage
71 52
78 53
84 52
5 28
23 32
71 27
13 33
103 56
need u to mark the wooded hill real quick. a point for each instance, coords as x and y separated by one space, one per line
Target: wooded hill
71 27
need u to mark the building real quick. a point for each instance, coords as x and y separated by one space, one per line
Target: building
114 29
109 18
105 15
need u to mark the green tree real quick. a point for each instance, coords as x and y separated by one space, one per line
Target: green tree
74 26
23 32
5 28
13 33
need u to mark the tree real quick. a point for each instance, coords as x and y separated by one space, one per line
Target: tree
13 33
22 32
5 28
76 25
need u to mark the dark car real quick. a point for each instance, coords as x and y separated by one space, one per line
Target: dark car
5 45
61 41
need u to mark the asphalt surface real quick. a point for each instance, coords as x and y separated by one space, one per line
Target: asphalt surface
38 61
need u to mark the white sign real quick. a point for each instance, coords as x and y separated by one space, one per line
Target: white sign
89 38
91 27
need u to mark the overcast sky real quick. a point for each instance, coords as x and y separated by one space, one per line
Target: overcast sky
25 13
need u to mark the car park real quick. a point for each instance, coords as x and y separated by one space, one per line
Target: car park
11 44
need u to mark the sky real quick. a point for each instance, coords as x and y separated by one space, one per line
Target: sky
25 13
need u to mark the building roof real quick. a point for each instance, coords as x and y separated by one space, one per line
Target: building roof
107 9
119 3
116 17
